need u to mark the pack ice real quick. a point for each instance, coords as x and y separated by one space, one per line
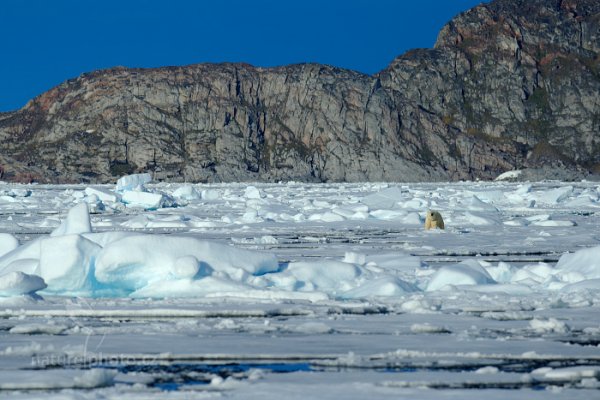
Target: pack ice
73 260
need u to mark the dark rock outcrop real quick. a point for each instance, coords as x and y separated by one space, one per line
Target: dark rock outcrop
509 84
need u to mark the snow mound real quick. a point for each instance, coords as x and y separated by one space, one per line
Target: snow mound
18 283
466 273
325 276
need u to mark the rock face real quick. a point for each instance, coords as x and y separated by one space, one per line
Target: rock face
509 84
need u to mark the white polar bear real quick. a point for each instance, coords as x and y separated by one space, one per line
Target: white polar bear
434 220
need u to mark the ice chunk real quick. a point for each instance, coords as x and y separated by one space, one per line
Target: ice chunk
583 264
148 201
548 325
533 273
588 284
77 221
465 273
523 189
186 267
414 204
250 217
252 192
412 218
58 379
18 192
103 195
65 263
133 182
38 329
502 273
555 223
476 204
211 195
481 219
395 261
14 260
26 265
17 283
267 239
326 217
7 243
137 222
554 196
388 215
491 196
8 199
355 258
187 192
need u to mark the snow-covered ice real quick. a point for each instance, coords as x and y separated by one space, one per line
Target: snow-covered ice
256 290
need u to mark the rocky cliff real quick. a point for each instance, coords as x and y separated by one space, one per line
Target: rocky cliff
509 84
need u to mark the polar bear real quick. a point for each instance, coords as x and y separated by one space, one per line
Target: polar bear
434 220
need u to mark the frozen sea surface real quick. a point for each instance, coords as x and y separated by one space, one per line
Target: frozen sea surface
300 291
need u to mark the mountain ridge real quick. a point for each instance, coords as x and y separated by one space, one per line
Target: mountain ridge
508 85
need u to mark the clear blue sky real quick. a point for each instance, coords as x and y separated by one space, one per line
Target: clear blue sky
45 42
